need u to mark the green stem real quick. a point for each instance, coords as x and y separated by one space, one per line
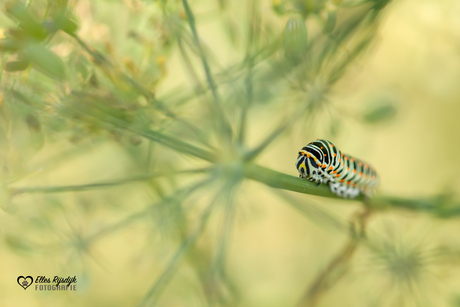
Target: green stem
152 295
84 187
102 61
439 205
2 67
287 182
220 114
168 141
178 196
338 266
252 43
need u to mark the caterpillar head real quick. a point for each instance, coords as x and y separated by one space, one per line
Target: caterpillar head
309 164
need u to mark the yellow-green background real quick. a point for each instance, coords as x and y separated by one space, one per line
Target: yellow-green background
275 252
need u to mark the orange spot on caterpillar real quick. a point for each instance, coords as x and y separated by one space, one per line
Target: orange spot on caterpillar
335 155
354 171
331 168
325 155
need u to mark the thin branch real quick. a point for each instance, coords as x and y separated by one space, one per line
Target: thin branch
221 288
442 206
287 182
165 203
90 186
277 132
199 89
154 292
168 141
102 61
252 43
210 79
338 266
2 67
312 211
177 196
222 120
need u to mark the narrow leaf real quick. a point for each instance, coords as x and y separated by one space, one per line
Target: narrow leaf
17 65
295 39
45 60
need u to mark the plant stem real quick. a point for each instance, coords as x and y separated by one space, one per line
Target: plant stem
287 182
152 295
104 63
222 120
439 205
338 266
90 186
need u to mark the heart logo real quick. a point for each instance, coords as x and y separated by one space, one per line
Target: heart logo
24 281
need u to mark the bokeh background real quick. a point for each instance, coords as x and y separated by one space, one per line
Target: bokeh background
74 111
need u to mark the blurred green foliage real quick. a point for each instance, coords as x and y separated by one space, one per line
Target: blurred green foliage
126 119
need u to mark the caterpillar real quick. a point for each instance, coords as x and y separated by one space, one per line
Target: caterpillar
322 162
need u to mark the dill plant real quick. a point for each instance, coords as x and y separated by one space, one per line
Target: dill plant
174 156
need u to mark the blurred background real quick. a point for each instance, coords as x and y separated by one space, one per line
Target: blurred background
128 128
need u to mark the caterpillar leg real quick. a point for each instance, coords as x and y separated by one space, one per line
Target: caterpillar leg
343 190
336 188
317 177
351 192
317 181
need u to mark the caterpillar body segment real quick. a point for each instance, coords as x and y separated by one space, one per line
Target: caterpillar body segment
322 162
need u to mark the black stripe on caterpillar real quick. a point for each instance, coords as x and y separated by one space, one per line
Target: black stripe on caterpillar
322 162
